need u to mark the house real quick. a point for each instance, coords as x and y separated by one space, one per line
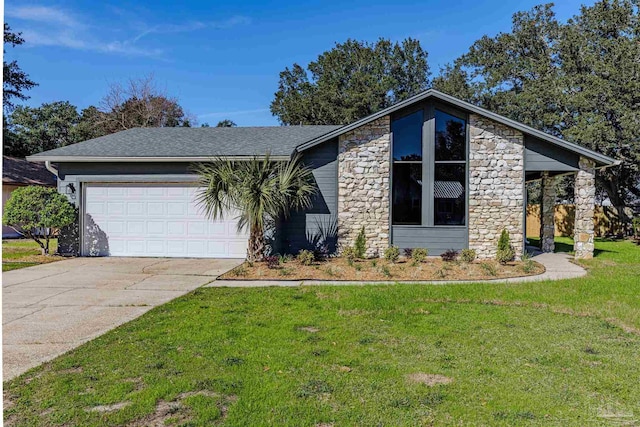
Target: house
19 173
431 171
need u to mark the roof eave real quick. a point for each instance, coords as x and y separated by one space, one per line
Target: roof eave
123 159
599 158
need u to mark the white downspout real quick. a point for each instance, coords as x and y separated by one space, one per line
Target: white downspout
47 164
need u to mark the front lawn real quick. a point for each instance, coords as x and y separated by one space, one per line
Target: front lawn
541 353
21 253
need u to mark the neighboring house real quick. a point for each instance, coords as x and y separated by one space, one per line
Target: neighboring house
431 171
19 173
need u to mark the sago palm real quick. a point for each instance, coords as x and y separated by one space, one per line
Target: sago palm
260 189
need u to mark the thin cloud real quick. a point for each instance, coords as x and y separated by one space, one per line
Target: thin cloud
44 14
194 26
53 26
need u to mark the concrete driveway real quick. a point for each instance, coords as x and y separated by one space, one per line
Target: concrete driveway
50 309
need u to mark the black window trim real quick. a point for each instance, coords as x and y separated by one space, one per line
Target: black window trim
428 161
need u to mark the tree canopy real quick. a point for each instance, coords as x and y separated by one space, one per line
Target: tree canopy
36 129
38 212
226 123
15 81
350 81
578 80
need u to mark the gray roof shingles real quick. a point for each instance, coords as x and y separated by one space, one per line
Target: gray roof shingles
193 142
21 172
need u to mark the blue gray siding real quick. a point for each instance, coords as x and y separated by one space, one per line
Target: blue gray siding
317 225
436 239
542 156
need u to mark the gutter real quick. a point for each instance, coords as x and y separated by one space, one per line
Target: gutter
47 164
49 159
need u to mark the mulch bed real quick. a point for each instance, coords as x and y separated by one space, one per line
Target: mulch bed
433 269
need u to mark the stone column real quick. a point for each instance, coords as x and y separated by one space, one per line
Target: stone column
547 213
585 197
363 185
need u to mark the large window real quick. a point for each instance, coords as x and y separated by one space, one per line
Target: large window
407 169
449 180
439 155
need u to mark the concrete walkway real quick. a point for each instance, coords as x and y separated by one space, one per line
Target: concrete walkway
50 309
557 266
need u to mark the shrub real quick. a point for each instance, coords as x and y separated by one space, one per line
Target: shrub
273 261
349 253
38 213
419 255
488 268
450 255
468 255
636 226
392 253
239 271
360 245
408 252
306 257
385 270
505 251
374 263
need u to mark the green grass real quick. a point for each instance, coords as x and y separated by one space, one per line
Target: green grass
21 253
546 353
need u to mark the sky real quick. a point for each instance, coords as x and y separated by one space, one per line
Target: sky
222 59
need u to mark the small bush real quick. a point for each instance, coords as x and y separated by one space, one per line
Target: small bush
374 263
450 255
505 251
360 245
488 268
636 226
349 253
468 255
285 258
239 271
358 267
273 261
392 253
408 252
441 273
385 271
306 257
419 255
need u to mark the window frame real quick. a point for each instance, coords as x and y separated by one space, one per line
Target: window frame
405 113
429 162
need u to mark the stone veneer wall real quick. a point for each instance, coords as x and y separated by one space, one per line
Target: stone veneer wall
363 185
585 198
496 185
547 214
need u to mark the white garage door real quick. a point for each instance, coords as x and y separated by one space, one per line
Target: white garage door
149 220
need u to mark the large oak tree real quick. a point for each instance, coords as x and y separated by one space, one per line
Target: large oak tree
350 81
578 80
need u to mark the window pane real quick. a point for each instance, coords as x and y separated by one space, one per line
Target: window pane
407 137
407 193
450 137
449 195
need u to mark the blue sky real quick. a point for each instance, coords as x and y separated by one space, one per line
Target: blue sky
222 59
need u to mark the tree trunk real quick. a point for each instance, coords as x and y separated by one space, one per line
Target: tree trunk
610 184
256 244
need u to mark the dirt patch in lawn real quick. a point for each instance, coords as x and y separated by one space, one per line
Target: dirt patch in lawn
433 269
175 412
429 379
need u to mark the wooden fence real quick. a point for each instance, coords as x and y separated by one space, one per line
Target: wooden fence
606 221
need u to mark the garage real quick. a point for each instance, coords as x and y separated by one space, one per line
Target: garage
155 220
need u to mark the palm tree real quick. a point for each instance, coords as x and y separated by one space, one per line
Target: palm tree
262 190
